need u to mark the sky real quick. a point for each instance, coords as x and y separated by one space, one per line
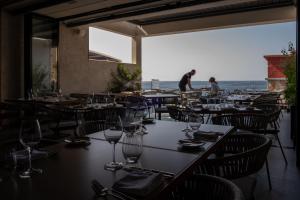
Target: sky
227 54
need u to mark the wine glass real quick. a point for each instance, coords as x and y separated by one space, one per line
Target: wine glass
29 136
187 111
195 122
113 132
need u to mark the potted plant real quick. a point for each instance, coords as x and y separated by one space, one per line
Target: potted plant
290 91
124 80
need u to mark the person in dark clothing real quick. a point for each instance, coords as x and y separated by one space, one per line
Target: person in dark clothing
186 80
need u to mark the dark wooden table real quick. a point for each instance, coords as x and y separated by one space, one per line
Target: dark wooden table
165 134
68 175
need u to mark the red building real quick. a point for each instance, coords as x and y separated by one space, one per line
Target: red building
276 78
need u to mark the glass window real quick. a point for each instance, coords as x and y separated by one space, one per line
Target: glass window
44 54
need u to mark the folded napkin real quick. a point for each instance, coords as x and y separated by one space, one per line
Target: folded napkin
208 136
139 183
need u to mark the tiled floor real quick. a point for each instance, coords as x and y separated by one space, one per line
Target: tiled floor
285 178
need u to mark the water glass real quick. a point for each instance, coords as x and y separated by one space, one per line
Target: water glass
132 147
195 123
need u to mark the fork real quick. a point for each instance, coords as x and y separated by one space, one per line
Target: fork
102 191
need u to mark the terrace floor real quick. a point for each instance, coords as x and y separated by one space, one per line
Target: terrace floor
285 178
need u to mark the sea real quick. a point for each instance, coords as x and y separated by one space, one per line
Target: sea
225 85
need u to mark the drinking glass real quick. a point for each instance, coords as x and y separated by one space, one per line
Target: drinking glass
187 112
113 132
195 122
29 136
132 147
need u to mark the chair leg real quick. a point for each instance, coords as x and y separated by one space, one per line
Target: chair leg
268 173
286 162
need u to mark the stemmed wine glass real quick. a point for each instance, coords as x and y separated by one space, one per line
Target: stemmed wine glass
187 112
195 122
29 136
113 132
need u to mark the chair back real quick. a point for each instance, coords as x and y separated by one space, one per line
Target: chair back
175 112
244 121
206 187
244 154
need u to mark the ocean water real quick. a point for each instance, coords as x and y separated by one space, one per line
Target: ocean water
225 85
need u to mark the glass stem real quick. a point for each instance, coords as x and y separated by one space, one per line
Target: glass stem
114 155
29 158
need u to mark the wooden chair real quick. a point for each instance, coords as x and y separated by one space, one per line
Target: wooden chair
242 155
206 187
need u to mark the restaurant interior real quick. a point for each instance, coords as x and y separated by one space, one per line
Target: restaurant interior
77 125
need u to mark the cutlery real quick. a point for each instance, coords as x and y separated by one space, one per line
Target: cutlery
191 141
102 191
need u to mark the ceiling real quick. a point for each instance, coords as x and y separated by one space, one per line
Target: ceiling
143 16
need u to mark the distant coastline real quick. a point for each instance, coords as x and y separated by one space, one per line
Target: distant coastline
225 85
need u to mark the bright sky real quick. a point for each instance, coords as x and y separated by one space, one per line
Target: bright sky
227 54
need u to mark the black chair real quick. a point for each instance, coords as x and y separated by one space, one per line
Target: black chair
240 156
164 103
175 113
63 119
206 187
257 123
93 126
98 123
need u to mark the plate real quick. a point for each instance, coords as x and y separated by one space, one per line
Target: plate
192 146
77 142
148 120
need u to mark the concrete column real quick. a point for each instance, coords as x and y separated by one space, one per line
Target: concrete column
11 28
137 50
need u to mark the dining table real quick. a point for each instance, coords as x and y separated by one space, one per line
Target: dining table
223 108
158 99
69 172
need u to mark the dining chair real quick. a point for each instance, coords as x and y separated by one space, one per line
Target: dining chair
239 157
176 113
207 187
164 102
266 124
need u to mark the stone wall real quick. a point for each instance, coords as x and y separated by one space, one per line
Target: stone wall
11 50
78 74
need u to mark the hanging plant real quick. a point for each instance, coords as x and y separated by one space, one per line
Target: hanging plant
124 80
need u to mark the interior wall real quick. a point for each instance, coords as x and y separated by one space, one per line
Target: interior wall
11 50
78 74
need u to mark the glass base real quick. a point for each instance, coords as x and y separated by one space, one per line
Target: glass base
187 130
113 166
29 172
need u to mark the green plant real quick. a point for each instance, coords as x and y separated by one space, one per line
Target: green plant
124 80
290 72
39 75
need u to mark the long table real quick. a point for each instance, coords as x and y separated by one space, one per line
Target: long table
68 175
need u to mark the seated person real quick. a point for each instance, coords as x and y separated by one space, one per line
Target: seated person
214 89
